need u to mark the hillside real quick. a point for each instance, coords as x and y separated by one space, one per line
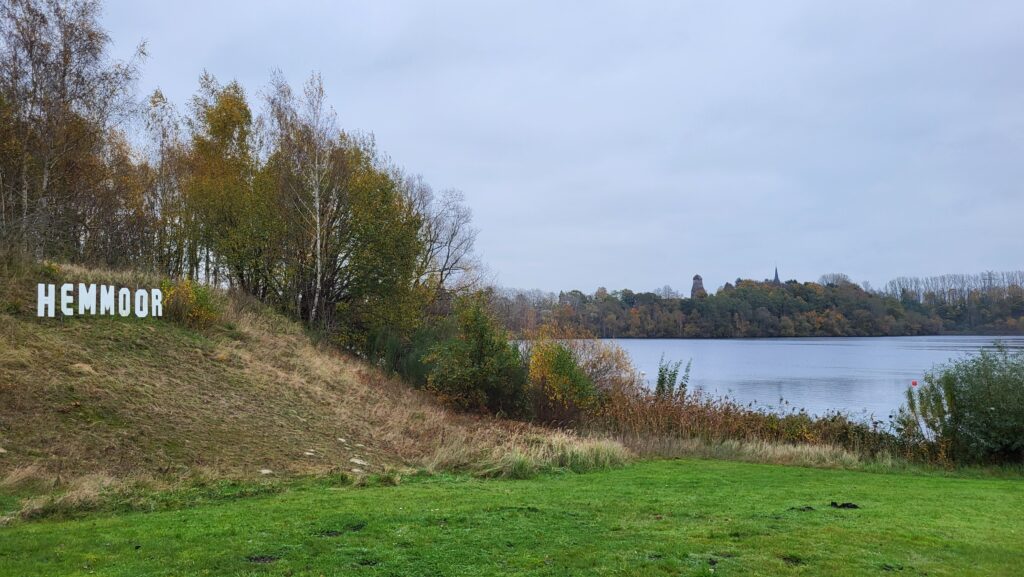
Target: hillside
251 394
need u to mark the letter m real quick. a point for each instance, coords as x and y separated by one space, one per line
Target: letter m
86 298
106 300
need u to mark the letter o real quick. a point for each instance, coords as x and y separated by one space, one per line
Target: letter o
141 303
124 302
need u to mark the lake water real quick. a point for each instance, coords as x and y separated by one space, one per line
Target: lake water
861 376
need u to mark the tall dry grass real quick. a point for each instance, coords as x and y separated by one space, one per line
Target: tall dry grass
525 452
798 454
694 423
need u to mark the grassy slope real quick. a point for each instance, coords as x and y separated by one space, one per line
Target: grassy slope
105 399
125 397
686 517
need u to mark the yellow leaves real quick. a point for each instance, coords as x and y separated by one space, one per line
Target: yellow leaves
189 303
555 373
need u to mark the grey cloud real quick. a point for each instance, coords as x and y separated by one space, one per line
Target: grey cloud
635 144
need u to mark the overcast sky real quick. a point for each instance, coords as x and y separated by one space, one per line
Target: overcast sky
632 144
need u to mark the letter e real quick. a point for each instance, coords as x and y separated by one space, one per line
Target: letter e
66 300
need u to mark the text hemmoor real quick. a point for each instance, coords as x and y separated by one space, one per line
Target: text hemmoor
108 300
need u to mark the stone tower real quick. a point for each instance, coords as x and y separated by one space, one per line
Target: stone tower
776 280
698 292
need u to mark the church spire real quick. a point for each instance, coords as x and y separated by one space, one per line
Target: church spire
776 280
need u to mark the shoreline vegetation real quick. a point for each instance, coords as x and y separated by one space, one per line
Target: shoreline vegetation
994 336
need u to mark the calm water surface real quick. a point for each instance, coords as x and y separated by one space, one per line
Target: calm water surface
862 376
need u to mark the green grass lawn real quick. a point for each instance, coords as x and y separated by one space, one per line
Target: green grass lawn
684 517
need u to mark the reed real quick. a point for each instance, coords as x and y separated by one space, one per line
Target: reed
644 420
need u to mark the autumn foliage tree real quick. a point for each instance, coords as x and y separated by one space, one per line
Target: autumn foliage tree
990 303
273 199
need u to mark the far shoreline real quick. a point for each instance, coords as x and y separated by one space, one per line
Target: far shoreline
994 335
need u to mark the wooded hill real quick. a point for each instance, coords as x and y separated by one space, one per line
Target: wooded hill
988 303
268 196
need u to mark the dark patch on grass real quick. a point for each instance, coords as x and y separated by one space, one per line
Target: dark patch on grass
890 567
804 508
520 509
793 559
261 558
350 528
835 505
368 562
725 554
330 533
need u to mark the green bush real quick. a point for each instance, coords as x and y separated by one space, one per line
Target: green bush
972 409
406 356
560 391
481 369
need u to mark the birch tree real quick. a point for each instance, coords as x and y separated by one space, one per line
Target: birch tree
306 132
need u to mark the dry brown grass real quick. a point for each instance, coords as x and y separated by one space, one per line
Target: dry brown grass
28 477
126 398
523 453
696 418
799 454
84 493
121 278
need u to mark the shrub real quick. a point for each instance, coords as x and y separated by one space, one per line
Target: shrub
606 364
972 409
572 373
189 303
559 388
406 356
481 369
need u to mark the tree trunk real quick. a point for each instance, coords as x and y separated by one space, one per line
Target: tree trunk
24 200
3 206
319 249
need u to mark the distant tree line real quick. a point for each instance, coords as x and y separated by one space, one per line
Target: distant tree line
834 306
